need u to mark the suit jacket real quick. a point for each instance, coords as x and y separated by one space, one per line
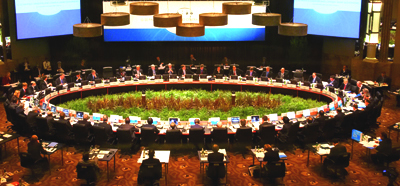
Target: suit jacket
385 146
285 75
135 72
338 150
128 127
196 126
67 123
334 83
381 79
31 118
199 71
188 71
317 79
35 150
87 124
271 156
240 130
152 127
267 74
50 120
156 174
285 129
221 71
23 92
339 119
348 87
150 72
345 73
108 128
321 120
167 69
254 73
238 72
42 84
32 90
263 125
215 157
58 81
91 78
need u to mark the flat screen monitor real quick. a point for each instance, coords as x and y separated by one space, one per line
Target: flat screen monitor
264 78
340 103
235 120
203 76
36 102
96 116
45 18
191 120
331 107
134 119
306 113
53 109
356 135
66 112
44 106
234 77
84 82
214 121
188 76
326 17
173 76
142 77
175 120
79 115
255 119
155 120
157 77
273 117
219 76
114 118
291 115
71 85
249 77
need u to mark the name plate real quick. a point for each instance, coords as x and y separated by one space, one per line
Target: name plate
203 80
47 97
112 83
53 94
150 82
304 88
263 82
100 85
325 92
63 91
233 81
291 86
316 90
219 80
86 86
249 82
277 84
128 82
143 81
158 80
188 80
173 80
74 89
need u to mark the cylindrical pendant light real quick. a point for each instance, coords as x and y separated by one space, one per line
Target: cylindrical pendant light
213 19
88 30
292 29
144 8
115 19
266 19
167 20
190 30
236 8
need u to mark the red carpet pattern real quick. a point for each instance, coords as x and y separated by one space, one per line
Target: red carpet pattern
185 170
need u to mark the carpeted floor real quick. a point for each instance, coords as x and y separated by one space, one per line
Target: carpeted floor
185 170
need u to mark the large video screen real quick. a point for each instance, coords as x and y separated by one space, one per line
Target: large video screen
338 18
239 27
44 18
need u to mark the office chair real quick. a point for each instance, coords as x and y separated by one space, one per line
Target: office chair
87 172
196 137
125 141
219 136
148 136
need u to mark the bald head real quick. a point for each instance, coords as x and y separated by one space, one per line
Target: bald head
34 138
215 148
219 124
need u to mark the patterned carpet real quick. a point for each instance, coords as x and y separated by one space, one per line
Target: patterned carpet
185 170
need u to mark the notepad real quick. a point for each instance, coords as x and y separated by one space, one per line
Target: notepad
7 135
100 156
104 152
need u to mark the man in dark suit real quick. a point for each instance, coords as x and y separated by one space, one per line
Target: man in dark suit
251 72
61 80
78 78
169 69
152 71
333 82
321 119
174 130
243 127
24 90
183 71
226 61
193 60
35 150
215 156
129 127
346 86
109 131
235 71
283 134
270 155
383 78
218 70
383 150
43 83
155 164
150 125
65 122
345 71
50 120
32 88
267 73
196 124
314 78
337 151
86 162
137 72
282 74
201 70
264 122
339 119
31 117
92 76
85 121
360 87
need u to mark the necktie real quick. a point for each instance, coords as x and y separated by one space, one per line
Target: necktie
61 81
154 72
266 75
251 73
345 87
184 72
201 72
313 80
234 73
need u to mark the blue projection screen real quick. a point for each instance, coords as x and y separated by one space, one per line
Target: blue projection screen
338 18
239 28
44 18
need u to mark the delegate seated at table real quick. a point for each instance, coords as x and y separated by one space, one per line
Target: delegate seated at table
150 125
218 70
314 78
196 124
35 151
251 72
152 162
383 150
201 70
345 71
282 74
183 71
337 151
333 82
270 155
267 73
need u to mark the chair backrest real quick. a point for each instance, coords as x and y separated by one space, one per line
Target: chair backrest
60 128
276 169
148 136
219 136
107 72
124 136
100 135
26 160
244 135
267 134
292 135
279 80
311 133
41 124
343 161
86 171
298 74
150 171
173 137
216 170
113 79
196 135
81 133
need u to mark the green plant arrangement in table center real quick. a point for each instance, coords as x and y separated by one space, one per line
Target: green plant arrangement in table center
187 104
